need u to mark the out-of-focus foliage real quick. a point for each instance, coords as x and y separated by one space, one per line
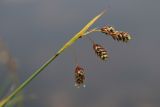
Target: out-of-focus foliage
10 81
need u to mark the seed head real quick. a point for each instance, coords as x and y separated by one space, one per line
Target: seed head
79 76
100 51
116 35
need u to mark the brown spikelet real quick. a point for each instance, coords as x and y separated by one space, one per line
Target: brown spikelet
116 35
100 51
108 30
121 36
125 36
79 76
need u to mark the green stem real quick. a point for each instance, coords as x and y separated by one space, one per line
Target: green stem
92 30
70 42
25 83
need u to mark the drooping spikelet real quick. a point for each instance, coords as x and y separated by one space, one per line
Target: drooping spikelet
116 35
79 76
100 51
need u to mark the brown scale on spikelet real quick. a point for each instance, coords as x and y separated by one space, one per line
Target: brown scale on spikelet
108 30
100 51
121 36
79 76
116 35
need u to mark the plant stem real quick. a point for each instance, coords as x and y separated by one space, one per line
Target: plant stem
70 42
92 30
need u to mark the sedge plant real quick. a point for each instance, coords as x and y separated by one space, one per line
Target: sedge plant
117 35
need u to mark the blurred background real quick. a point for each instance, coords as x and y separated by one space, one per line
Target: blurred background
31 31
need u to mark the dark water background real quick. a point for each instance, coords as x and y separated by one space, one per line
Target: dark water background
35 29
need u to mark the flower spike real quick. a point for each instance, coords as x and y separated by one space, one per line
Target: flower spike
100 51
116 35
79 76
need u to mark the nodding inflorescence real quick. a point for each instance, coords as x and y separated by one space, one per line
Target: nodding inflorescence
116 35
79 76
100 51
